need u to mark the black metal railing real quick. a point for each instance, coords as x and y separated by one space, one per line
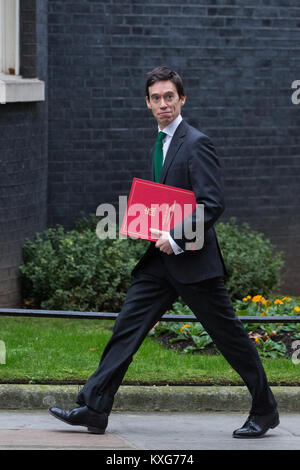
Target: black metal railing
16 312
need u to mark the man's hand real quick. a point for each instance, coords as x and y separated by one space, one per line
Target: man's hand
162 243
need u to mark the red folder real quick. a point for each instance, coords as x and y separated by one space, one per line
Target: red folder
156 206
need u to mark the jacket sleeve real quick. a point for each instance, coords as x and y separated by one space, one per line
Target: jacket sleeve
205 179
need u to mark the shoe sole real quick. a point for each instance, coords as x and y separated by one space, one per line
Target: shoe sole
91 429
259 435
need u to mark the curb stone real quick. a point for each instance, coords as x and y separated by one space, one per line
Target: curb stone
147 398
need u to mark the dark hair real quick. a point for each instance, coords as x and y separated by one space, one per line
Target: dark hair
164 73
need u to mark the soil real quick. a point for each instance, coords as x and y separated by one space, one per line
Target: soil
287 339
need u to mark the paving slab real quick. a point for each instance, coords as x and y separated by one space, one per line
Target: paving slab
38 430
38 439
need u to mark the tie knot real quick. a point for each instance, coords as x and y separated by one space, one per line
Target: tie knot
160 136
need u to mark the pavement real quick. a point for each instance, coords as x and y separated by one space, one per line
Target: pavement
38 430
145 418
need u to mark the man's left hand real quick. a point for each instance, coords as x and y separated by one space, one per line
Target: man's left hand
162 243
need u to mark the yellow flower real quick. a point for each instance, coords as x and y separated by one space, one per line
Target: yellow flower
182 329
256 339
296 308
286 298
262 314
278 301
259 298
245 299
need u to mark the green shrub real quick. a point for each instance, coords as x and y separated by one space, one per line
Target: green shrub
74 270
253 264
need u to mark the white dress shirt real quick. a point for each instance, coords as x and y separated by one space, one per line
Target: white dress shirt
170 131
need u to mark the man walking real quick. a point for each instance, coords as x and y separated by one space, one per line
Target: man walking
183 157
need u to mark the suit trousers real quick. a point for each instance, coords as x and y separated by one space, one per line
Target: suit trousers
152 292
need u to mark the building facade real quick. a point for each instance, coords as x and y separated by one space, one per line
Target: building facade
23 136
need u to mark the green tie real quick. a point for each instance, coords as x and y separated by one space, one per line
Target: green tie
159 156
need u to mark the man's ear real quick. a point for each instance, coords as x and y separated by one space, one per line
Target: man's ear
183 99
148 103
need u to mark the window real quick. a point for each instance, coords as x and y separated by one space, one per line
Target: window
9 31
14 88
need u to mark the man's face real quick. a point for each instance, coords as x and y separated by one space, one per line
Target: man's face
164 102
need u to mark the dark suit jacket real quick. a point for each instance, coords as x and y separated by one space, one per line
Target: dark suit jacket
191 163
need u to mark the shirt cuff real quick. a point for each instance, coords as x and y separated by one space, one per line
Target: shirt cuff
177 250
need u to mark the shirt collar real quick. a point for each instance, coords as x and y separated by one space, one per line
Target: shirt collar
171 128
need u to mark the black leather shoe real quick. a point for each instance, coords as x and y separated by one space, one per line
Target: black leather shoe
257 425
82 416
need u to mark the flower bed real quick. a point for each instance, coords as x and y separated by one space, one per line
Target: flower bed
271 339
